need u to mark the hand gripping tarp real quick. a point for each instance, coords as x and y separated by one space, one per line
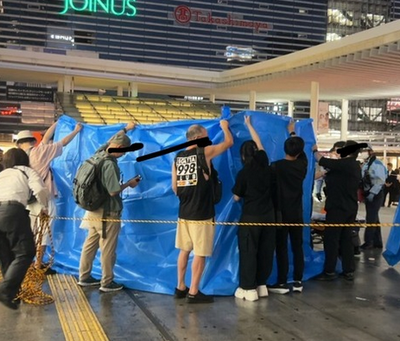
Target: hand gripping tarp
146 254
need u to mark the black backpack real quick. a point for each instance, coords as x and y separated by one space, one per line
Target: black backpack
215 181
88 190
366 182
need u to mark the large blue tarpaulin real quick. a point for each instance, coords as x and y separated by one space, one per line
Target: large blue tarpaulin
392 252
146 255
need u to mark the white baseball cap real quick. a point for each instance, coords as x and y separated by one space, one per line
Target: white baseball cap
25 134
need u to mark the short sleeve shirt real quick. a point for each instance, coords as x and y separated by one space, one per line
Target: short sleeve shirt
40 158
110 178
254 184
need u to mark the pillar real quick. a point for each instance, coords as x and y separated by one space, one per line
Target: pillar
132 90
314 100
344 122
290 108
252 100
120 91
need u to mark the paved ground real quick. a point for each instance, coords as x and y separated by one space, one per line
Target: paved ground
365 310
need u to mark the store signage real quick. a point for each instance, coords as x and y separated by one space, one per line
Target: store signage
61 37
24 93
184 15
10 113
114 7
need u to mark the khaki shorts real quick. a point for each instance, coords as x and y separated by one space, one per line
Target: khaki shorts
195 235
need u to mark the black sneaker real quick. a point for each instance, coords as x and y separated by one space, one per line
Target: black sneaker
111 287
348 276
199 298
297 286
90 281
181 293
326 276
279 288
366 246
8 302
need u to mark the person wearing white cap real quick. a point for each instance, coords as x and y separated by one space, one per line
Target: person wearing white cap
40 157
374 175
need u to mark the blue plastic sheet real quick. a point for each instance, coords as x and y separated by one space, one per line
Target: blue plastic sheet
146 255
392 252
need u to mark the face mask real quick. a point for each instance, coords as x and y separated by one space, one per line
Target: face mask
363 155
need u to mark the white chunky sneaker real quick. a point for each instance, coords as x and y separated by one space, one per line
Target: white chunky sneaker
248 295
262 291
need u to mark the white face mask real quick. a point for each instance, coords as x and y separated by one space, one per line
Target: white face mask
363 155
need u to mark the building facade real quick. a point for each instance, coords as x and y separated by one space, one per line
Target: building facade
203 34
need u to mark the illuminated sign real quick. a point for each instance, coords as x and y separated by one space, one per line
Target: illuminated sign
184 15
61 37
108 6
9 111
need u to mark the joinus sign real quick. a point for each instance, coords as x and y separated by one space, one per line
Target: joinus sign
184 15
114 7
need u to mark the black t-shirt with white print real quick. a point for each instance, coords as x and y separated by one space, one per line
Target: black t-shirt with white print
194 191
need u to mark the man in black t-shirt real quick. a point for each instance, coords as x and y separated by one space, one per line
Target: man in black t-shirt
342 183
290 174
195 230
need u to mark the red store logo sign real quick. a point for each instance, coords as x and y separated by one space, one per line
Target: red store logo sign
184 15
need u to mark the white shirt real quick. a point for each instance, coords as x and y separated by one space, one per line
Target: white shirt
14 185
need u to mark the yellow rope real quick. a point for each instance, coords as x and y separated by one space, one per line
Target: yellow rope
225 223
31 288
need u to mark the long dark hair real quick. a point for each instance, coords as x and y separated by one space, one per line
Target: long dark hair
248 150
15 157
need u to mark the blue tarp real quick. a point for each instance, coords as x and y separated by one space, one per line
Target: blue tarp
392 252
146 256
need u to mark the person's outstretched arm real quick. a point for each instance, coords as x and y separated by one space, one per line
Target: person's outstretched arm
253 133
212 151
67 139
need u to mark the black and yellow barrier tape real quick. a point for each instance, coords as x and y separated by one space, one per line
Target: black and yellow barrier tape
227 223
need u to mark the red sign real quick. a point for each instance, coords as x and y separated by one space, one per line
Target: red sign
184 15
9 111
393 104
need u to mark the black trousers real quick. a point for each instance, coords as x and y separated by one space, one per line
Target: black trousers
282 257
17 248
339 238
373 235
256 253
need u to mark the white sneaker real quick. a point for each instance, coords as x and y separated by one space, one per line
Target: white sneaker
297 286
262 291
248 295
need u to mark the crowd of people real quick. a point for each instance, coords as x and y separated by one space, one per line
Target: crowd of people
270 193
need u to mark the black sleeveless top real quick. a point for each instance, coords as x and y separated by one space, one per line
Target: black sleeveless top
194 191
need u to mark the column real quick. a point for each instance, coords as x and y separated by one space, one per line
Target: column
385 152
132 90
212 98
66 84
290 108
344 122
120 91
252 100
314 103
